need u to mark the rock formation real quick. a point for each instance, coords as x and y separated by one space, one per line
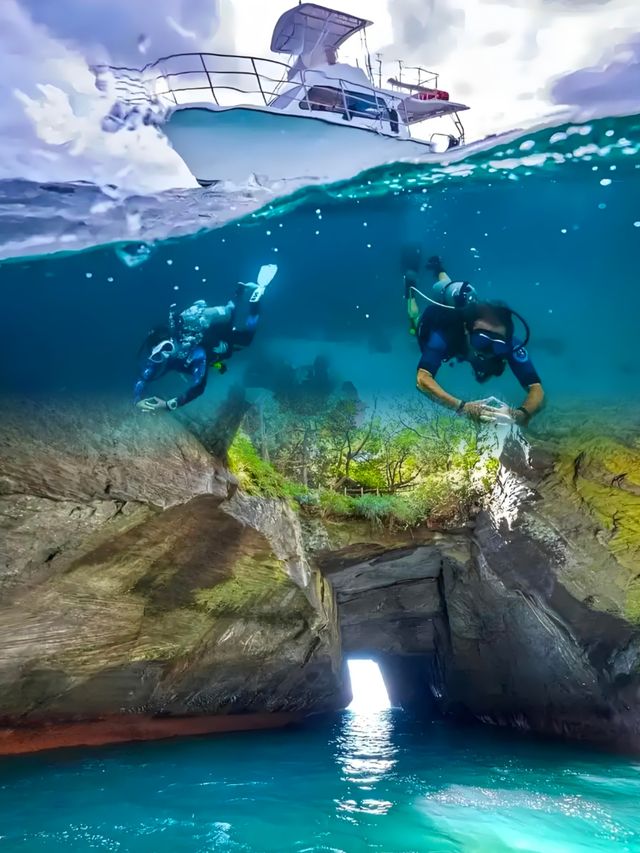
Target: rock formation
138 583
136 580
543 621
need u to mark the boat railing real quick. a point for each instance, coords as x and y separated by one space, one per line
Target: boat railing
186 77
416 76
230 80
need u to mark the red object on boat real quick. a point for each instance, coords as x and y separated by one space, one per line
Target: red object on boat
433 95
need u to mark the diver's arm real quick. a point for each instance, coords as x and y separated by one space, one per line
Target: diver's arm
532 404
198 380
526 374
428 385
147 375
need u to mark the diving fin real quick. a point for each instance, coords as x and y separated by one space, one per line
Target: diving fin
266 275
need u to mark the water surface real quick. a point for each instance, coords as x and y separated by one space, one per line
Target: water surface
350 783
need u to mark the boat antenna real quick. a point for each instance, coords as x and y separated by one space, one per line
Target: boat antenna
379 59
367 55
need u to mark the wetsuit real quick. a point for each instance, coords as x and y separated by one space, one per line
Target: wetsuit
442 337
218 344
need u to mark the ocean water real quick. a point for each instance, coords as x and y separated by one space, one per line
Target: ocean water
548 221
345 784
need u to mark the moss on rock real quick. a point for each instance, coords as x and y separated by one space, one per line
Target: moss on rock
602 476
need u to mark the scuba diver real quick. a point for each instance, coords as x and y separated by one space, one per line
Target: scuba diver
456 325
199 337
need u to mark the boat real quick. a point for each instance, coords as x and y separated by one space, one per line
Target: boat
312 118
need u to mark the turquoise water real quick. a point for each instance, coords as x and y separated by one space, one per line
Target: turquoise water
352 783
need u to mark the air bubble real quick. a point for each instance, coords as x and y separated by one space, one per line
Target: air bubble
605 182
636 224
110 279
268 233
175 287
563 230
169 262
602 206
609 133
88 275
197 269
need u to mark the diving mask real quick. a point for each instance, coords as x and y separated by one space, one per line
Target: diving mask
486 342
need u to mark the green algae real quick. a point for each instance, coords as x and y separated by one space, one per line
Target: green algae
255 475
259 586
603 475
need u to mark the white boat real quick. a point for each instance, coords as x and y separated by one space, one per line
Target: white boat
240 118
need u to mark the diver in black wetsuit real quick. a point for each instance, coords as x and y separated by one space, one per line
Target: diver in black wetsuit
455 325
196 339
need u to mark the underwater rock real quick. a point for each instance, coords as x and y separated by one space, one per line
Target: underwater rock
135 581
543 624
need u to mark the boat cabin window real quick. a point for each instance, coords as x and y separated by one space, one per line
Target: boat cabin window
350 104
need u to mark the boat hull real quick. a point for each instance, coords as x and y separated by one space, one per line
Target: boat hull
241 144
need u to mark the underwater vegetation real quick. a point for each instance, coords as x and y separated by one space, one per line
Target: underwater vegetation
335 456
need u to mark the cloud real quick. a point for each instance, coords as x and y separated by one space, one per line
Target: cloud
430 26
50 124
102 29
612 86
501 57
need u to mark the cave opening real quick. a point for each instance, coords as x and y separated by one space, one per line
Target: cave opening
368 687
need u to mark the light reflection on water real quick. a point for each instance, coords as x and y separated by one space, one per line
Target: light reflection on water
366 753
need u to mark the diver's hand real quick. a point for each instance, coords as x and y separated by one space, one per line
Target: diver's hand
478 411
435 265
473 411
519 417
152 404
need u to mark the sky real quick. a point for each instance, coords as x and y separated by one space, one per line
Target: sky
512 61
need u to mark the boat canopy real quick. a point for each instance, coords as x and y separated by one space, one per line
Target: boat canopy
307 27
